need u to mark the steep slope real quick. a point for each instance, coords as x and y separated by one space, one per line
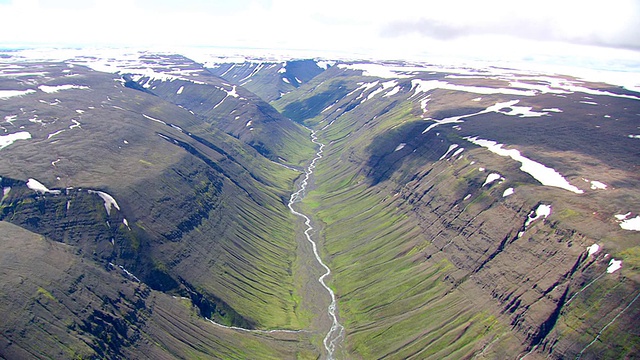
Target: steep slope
129 179
446 245
268 79
55 304
217 103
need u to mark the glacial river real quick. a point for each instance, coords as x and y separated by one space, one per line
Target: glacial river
336 332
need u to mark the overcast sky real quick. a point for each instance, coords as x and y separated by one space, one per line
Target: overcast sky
600 30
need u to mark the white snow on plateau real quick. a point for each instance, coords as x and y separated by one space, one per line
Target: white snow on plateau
593 249
589 102
614 265
108 200
556 110
597 185
428 85
458 119
400 147
634 136
545 175
325 64
523 111
5 94
36 185
631 224
55 89
76 124
491 178
508 192
541 211
6 140
377 70
286 80
180 90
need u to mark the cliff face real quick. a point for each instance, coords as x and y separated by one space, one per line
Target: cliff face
143 190
445 243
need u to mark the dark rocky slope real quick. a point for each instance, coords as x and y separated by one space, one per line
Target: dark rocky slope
138 182
431 260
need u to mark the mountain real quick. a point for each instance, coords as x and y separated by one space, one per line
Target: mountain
136 184
476 212
462 212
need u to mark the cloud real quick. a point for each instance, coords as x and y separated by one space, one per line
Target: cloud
585 23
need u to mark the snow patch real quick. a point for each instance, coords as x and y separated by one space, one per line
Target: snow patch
545 175
631 224
325 64
508 192
393 91
5 94
593 249
37 186
55 133
154 119
541 211
597 185
55 89
109 201
6 140
400 147
622 216
180 90
458 152
451 148
491 178
428 85
614 265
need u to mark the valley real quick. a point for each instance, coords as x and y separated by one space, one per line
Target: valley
161 206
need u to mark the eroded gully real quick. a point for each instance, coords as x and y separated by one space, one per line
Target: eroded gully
336 332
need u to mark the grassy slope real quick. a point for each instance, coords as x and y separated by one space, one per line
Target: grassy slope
217 220
407 273
75 317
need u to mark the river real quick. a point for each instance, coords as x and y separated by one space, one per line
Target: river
336 333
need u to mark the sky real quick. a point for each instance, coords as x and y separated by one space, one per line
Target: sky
602 34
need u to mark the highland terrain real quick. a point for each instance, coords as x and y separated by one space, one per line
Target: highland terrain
464 213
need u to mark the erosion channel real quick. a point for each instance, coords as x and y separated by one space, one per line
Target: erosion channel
336 332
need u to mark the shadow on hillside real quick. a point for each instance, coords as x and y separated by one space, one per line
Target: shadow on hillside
387 154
